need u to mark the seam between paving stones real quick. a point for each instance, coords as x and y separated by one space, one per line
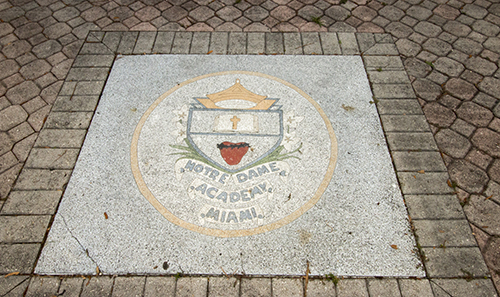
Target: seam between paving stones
349 44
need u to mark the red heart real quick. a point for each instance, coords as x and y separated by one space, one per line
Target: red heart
233 152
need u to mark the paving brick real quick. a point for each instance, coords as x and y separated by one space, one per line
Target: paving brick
468 46
34 179
411 141
8 68
32 202
237 43
293 43
287 287
181 42
43 286
337 13
415 288
5 143
475 114
75 103
320 288
474 11
479 158
463 127
156 286
365 41
87 74
483 213
330 43
28 30
455 262
382 49
384 63
94 61
352 287
468 176
404 123
128 286
485 100
128 41
490 86
452 143
191 287
383 287
448 66
388 77
493 44
399 30
396 91
7 179
434 207
494 171
311 43
11 117
463 287
144 43
95 48
200 43
16 49
223 287
348 43
274 43
439 115
52 158
7 160
97 286
23 229
18 257
13 285
417 68
57 138
58 30
93 14
437 77
255 287
112 40
71 286
460 88
37 118
85 88
487 141
23 147
444 233
416 161
408 48
22 92
429 182
35 69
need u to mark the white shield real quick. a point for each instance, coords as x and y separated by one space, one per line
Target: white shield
247 134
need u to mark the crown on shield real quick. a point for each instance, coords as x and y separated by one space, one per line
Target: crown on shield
237 92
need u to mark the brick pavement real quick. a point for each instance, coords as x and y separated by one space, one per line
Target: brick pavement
448 48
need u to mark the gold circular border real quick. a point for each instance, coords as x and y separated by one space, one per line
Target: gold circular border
242 232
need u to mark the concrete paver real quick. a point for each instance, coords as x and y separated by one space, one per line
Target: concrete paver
41 39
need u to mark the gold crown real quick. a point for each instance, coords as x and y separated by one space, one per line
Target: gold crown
237 91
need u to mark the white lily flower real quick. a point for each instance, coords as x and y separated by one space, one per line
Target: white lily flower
180 132
290 141
181 114
291 120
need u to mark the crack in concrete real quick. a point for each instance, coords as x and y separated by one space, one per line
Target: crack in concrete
80 244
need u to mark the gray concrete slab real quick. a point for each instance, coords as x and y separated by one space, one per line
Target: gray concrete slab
132 205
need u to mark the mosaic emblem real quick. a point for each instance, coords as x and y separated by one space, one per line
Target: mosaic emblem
233 161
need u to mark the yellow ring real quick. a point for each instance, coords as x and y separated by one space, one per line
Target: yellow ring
242 232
